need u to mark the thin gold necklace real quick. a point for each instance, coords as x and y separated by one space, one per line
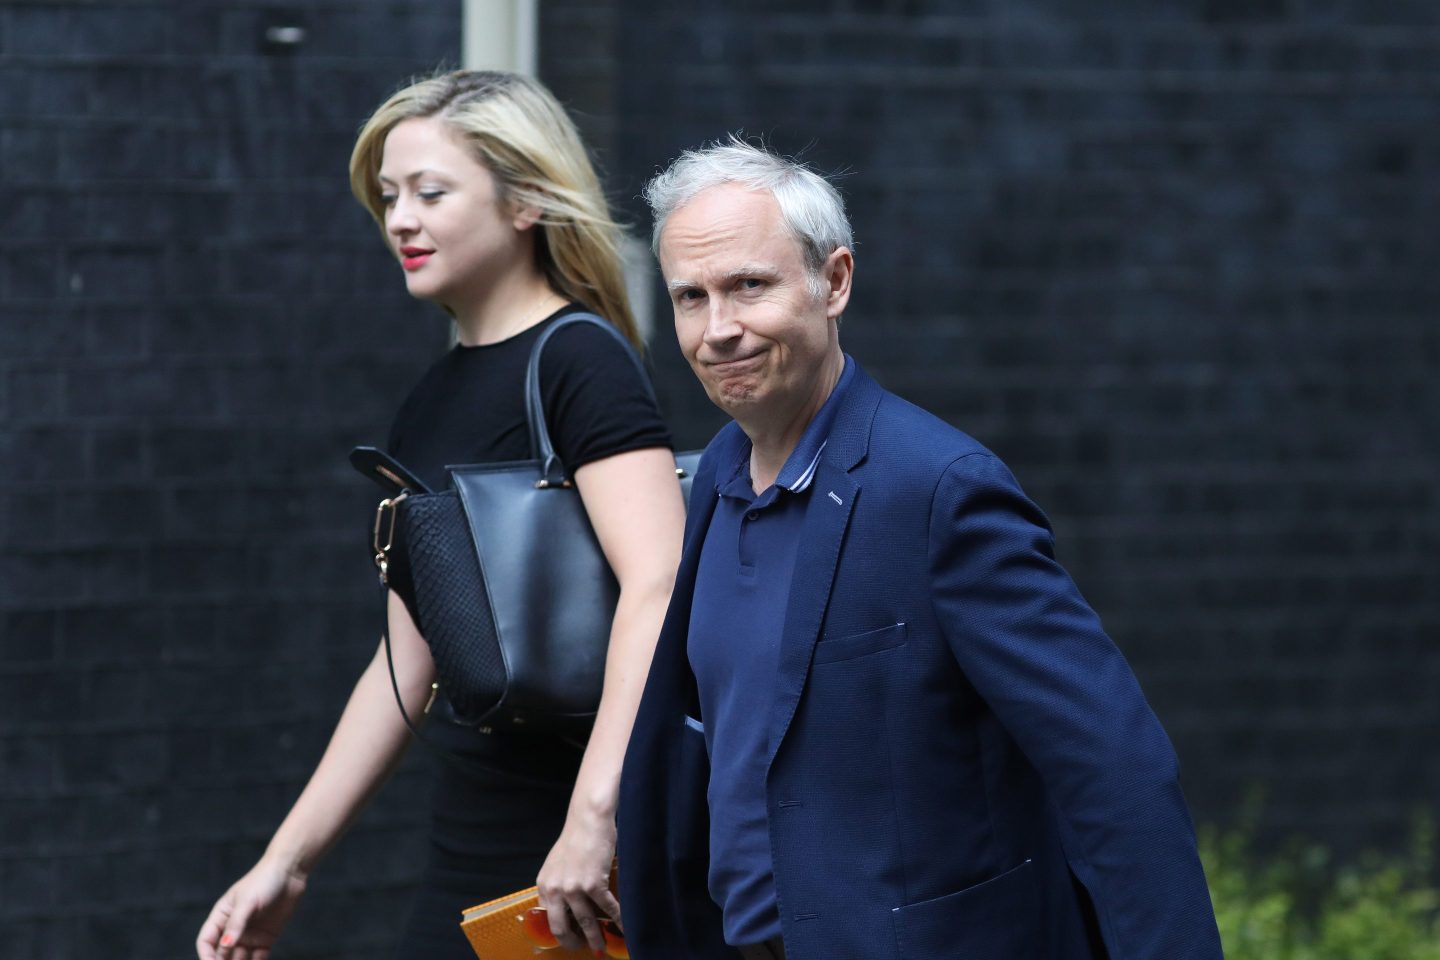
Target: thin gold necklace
524 324
533 314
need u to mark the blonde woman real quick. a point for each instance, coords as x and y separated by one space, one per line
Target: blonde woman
485 196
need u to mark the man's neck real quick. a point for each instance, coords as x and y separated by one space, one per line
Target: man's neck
772 442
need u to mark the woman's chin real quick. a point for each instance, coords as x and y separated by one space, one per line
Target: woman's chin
423 288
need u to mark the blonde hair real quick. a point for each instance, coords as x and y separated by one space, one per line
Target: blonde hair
524 137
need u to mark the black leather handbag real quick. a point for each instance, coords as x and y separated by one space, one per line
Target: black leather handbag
504 577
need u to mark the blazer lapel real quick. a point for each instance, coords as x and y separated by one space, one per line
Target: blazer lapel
827 516
832 495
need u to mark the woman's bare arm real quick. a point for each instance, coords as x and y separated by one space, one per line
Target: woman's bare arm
634 503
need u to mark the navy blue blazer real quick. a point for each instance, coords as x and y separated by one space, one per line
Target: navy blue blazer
961 764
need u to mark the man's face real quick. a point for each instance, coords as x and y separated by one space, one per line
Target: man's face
754 331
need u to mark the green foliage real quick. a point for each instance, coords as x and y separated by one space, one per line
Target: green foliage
1298 905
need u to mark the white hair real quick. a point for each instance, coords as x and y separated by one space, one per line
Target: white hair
810 206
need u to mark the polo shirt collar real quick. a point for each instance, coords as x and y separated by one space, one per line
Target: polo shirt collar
799 469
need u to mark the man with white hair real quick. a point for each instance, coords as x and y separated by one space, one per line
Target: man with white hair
881 722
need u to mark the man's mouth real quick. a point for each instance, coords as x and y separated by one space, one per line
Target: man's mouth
733 365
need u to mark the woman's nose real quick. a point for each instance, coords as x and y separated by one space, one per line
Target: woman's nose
399 220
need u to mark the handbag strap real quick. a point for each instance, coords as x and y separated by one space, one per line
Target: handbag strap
552 471
455 760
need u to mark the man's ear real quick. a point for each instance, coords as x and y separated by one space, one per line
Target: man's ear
836 274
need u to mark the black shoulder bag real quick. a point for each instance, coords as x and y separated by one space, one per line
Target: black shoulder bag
504 577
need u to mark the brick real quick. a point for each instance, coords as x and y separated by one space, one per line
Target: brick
194 31
184 452
138 391
116 273
29 883
38 330
43 454
115 574
31 696
27 636
186 570
111 760
34 518
31 215
86 30
30 274
109 151
111 634
26 765
119 454
117 332
125 213
119 697
34 394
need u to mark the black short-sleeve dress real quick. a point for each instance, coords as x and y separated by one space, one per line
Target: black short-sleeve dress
496 815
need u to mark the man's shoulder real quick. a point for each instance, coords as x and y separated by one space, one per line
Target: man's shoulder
905 435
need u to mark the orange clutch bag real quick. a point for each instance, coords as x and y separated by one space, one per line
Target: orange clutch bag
514 927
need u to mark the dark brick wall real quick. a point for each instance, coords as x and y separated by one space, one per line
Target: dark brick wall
579 41
1172 260
1176 263
196 323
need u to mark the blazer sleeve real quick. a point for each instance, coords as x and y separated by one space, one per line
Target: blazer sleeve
1036 653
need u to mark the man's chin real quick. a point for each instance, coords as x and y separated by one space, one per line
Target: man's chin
731 397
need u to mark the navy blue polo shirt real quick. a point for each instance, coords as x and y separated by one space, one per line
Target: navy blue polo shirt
741 594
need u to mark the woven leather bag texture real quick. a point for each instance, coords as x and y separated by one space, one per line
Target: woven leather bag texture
450 607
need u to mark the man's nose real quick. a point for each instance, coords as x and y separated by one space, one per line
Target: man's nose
720 323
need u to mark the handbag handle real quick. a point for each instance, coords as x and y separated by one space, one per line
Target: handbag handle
552 471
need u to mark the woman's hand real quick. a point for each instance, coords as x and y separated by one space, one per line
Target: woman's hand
245 923
575 881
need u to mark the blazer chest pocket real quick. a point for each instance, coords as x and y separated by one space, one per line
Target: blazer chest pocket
835 649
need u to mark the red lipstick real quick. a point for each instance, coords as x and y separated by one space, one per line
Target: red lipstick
413 258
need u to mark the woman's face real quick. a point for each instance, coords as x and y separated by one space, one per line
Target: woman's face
443 216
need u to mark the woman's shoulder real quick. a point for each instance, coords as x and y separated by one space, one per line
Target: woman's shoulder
589 353
572 339
597 395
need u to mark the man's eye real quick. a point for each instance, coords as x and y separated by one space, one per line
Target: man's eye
688 296
751 283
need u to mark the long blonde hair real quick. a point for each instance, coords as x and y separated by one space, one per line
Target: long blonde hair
524 137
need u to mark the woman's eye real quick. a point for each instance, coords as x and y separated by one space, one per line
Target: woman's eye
387 199
430 196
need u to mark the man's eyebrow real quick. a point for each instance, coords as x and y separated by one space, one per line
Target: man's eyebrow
750 270
730 276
